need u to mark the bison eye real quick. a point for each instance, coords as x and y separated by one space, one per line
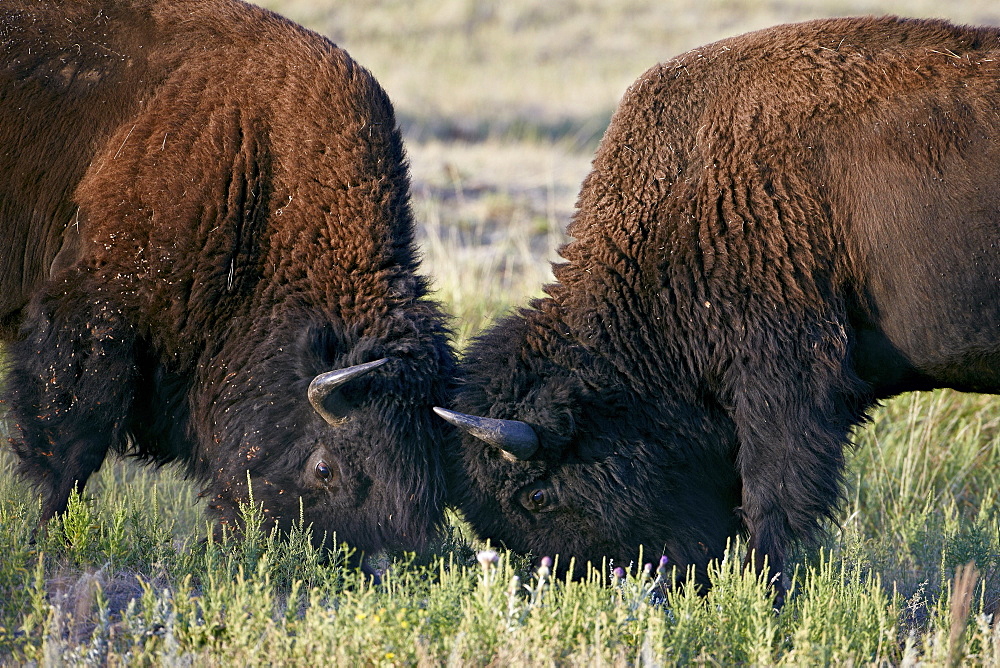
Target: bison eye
536 498
323 471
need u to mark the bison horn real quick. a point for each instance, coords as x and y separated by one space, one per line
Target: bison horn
325 384
517 439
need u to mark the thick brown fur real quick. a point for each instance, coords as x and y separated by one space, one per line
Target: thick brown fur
203 207
779 230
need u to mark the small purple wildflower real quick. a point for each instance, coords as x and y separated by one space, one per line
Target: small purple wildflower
618 574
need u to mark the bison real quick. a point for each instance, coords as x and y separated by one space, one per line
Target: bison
780 230
207 257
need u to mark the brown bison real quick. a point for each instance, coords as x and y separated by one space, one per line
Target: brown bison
779 230
207 256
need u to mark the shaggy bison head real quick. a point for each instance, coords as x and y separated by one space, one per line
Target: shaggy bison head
355 455
557 459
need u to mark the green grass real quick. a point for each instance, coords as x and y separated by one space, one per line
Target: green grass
502 104
126 578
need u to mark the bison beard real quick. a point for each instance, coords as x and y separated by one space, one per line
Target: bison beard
780 230
205 210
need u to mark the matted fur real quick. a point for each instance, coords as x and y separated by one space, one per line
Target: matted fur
779 230
203 207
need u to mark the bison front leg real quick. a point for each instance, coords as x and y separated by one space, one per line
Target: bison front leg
794 413
791 462
69 387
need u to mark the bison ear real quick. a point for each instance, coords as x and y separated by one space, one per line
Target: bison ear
324 390
517 440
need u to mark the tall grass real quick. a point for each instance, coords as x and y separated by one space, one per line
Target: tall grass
502 104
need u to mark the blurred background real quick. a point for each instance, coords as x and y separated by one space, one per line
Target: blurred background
502 103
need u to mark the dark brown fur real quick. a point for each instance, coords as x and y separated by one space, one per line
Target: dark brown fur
780 229
204 206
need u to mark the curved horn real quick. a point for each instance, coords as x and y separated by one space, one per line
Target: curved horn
517 439
325 384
